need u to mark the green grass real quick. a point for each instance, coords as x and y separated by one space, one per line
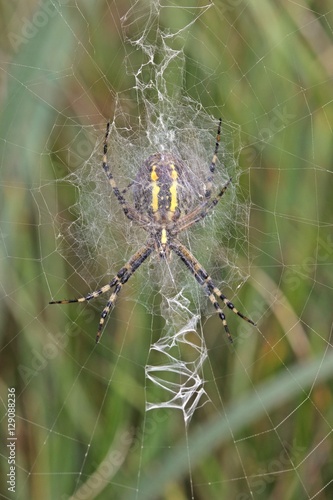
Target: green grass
80 414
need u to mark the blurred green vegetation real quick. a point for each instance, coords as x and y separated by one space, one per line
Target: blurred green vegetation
80 416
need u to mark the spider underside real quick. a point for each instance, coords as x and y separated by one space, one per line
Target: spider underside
163 208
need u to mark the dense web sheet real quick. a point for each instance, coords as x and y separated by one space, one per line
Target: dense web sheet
164 406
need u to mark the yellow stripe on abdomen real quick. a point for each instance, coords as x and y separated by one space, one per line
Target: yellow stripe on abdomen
173 188
155 189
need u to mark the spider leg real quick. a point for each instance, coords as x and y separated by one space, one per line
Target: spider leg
122 277
128 211
118 281
209 203
91 295
208 189
207 283
201 211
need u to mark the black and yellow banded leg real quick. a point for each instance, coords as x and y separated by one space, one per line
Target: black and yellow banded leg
207 283
201 211
118 281
229 304
89 296
110 177
130 213
209 183
122 277
109 306
221 314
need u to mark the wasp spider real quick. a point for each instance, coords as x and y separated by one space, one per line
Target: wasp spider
161 208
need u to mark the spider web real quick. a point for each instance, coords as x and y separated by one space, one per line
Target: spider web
164 406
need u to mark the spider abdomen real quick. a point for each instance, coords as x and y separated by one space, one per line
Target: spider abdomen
157 187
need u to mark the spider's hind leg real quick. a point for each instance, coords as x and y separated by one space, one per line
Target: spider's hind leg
207 283
231 306
122 277
89 296
211 292
221 314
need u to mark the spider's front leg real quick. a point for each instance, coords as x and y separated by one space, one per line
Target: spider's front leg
210 178
201 211
130 213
